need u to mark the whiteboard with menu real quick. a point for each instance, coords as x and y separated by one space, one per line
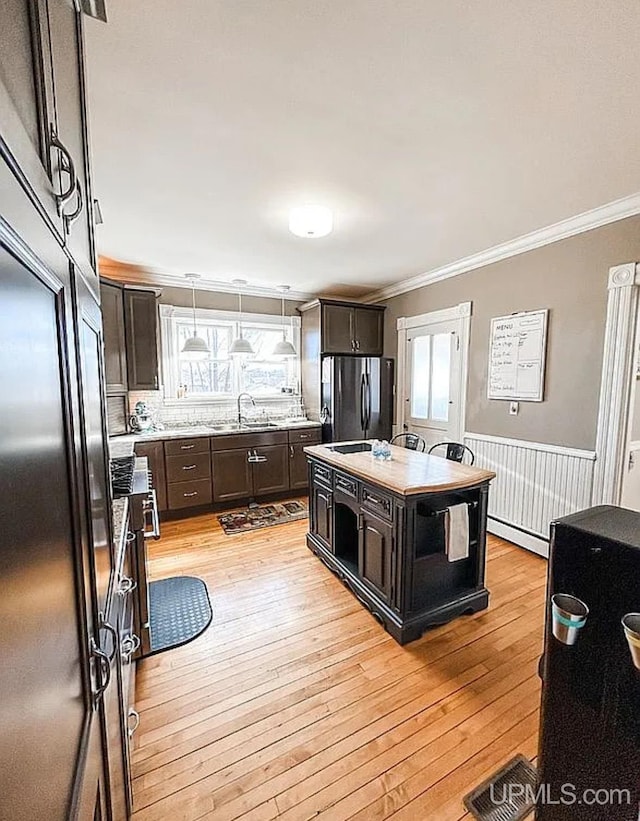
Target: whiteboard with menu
517 356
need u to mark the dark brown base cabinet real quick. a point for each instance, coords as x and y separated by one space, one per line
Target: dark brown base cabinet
227 469
389 551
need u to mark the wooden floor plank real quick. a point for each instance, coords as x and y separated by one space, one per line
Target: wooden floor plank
296 704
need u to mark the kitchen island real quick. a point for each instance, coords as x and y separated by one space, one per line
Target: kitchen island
391 531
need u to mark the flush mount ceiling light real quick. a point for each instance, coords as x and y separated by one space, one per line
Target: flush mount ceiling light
195 346
284 347
311 221
240 346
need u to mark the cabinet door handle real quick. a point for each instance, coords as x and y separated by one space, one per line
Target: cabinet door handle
304 436
66 166
135 715
69 219
189 495
187 447
105 625
189 467
104 665
291 451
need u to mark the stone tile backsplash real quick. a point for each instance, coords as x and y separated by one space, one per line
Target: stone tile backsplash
177 415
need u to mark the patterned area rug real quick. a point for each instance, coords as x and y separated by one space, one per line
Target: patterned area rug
264 516
179 611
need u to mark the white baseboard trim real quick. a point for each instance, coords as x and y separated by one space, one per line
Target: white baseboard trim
512 534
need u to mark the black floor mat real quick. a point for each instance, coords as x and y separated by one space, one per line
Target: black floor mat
179 611
494 801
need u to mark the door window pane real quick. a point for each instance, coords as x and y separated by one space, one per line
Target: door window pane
420 374
440 387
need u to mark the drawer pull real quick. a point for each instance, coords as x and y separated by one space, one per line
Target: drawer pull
189 495
187 447
126 585
374 500
189 467
135 715
129 645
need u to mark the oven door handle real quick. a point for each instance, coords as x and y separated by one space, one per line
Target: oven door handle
151 506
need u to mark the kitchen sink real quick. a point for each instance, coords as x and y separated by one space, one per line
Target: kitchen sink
354 447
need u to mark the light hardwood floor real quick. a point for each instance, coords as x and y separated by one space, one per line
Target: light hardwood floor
296 704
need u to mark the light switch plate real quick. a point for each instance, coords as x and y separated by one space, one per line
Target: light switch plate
514 408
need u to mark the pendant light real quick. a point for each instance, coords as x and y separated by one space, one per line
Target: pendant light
195 346
240 346
284 347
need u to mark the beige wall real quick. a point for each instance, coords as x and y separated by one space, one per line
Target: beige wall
568 277
226 302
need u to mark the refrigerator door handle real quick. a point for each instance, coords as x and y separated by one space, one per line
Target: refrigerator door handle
363 399
368 405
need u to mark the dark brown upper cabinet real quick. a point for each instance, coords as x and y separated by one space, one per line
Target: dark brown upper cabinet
349 328
44 128
141 333
115 356
67 59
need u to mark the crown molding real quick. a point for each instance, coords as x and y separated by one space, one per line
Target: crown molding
137 275
587 221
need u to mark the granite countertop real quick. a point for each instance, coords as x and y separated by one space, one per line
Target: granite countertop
124 445
407 473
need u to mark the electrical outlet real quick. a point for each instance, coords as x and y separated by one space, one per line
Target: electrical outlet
514 408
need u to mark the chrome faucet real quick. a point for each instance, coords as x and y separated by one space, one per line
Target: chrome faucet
241 396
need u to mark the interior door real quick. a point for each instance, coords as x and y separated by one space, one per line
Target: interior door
50 757
431 393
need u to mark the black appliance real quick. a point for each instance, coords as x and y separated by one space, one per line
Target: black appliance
357 398
121 469
590 720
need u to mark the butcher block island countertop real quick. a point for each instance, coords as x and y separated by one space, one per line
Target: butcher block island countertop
407 472
407 536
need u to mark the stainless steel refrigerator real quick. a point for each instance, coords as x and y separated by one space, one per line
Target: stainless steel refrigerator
357 398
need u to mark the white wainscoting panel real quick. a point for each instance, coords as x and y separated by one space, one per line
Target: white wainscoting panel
535 484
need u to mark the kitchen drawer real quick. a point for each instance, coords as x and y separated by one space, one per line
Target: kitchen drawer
235 441
177 447
322 474
309 436
189 494
346 484
188 467
379 502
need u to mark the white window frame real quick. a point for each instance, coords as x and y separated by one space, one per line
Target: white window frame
170 353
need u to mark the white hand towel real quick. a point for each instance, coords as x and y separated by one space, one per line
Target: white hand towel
456 528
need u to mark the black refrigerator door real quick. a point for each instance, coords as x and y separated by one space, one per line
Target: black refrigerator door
344 398
378 409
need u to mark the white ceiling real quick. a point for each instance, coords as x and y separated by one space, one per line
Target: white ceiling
433 128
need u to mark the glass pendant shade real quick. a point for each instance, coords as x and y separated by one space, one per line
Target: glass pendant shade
195 347
284 347
240 346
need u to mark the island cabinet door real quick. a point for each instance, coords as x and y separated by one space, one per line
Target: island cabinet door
375 548
322 515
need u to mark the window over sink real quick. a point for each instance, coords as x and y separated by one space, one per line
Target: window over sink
220 375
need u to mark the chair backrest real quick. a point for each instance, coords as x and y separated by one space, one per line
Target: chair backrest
455 451
411 441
